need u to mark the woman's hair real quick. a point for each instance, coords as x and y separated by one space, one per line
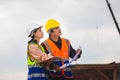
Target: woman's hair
33 33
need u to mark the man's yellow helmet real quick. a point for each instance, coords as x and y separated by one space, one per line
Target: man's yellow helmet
51 23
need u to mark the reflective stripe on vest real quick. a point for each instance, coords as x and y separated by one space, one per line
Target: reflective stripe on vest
36 75
30 62
36 72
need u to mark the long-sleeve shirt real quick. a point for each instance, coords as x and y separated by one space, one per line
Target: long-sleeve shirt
36 53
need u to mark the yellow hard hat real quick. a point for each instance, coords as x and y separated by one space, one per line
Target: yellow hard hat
51 23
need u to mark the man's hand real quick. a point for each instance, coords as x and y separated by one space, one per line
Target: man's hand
79 53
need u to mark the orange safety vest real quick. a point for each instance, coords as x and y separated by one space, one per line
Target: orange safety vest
62 53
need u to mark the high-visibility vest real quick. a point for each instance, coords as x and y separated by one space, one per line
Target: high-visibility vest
62 53
35 70
30 62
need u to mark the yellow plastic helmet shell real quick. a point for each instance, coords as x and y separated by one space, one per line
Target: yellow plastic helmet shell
51 23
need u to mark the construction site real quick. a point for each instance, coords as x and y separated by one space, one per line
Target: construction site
66 40
110 71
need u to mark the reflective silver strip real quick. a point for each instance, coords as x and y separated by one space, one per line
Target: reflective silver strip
31 66
48 47
67 42
36 75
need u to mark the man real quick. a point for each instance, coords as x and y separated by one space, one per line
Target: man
59 47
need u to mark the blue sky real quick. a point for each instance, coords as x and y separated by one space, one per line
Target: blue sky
87 23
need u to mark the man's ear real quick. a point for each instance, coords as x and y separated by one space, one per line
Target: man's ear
50 31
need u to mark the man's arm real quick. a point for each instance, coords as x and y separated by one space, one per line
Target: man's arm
73 52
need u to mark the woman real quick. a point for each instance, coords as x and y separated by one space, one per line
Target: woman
35 54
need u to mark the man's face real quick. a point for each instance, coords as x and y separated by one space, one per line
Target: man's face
56 31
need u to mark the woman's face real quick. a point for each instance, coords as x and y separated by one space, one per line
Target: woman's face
39 33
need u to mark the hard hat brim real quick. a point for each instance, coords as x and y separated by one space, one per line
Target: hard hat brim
31 33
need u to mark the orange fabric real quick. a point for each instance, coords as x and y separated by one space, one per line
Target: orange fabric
63 52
